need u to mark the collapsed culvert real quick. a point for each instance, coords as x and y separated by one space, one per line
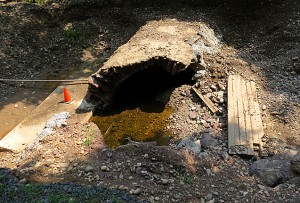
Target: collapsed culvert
161 56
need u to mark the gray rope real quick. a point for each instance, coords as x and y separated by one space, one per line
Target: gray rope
20 80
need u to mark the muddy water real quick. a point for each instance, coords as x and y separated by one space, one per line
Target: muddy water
141 124
28 97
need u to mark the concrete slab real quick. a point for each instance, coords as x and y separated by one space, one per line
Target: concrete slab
25 133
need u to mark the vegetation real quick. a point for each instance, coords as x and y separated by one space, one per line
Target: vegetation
62 197
36 1
72 34
188 180
88 140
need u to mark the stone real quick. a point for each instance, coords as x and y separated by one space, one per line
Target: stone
208 171
16 105
213 87
295 181
261 187
190 145
164 181
103 168
156 198
295 163
192 115
225 155
207 141
136 191
88 169
64 165
271 172
209 196
23 181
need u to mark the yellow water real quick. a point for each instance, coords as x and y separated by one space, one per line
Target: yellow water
140 124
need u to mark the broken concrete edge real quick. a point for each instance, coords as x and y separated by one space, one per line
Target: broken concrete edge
105 82
26 132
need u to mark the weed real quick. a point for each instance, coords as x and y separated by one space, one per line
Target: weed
33 192
1 187
188 180
88 140
115 199
72 34
36 1
2 177
61 198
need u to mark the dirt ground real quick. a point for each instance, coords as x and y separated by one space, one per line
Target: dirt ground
260 42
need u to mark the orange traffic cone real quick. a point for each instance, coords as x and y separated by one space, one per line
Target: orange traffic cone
67 97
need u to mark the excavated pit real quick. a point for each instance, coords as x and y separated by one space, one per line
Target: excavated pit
138 110
135 83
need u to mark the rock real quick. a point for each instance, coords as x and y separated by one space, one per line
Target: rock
225 155
295 181
164 181
213 87
136 191
64 165
88 169
208 141
156 198
23 181
209 196
190 145
16 105
295 164
193 108
103 168
261 187
208 171
193 115
146 156
264 107
271 172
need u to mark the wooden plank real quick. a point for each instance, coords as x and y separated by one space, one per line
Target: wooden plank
252 95
240 114
245 128
259 125
235 110
231 124
251 112
207 101
248 127
235 147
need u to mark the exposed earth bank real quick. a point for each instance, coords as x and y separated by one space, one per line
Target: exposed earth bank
260 42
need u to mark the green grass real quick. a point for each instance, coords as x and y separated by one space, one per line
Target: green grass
188 180
33 192
62 198
36 1
72 34
2 186
88 140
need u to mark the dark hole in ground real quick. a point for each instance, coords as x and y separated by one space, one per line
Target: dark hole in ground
139 110
146 85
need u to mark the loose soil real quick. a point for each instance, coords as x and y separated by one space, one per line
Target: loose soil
260 42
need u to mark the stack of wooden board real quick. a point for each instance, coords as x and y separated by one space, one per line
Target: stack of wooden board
245 129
